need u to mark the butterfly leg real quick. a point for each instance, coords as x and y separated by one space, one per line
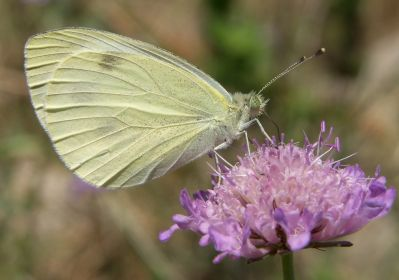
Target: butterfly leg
223 145
217 170
249 123
248 145
247 141
218 157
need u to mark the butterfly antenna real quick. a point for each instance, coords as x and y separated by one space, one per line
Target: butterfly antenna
301 61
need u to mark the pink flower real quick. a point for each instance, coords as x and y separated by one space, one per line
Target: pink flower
283 198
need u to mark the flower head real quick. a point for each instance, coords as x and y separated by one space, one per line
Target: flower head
281 198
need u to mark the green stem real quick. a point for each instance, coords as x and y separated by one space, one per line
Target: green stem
287 261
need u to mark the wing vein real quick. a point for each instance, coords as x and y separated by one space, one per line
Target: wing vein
56 140
98 117
96 38
62 108
94 141
66 41
104 74
128 45
59 81
96 92
34 66
48 54
39 47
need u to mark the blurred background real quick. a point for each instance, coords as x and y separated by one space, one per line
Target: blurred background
53 226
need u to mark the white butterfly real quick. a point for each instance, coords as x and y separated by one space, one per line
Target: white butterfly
121 112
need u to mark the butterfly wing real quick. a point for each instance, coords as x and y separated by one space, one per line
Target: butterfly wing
117 116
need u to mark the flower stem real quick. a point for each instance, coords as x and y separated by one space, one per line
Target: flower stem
287 261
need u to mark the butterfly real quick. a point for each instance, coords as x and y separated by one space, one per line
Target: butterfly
121 112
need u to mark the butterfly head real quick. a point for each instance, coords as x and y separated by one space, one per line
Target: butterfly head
251 103
256 104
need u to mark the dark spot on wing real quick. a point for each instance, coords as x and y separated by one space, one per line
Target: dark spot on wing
108 62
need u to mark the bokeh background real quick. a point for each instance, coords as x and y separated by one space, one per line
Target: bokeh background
52 226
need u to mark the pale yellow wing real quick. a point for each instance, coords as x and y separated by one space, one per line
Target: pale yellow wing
120 118
44 52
